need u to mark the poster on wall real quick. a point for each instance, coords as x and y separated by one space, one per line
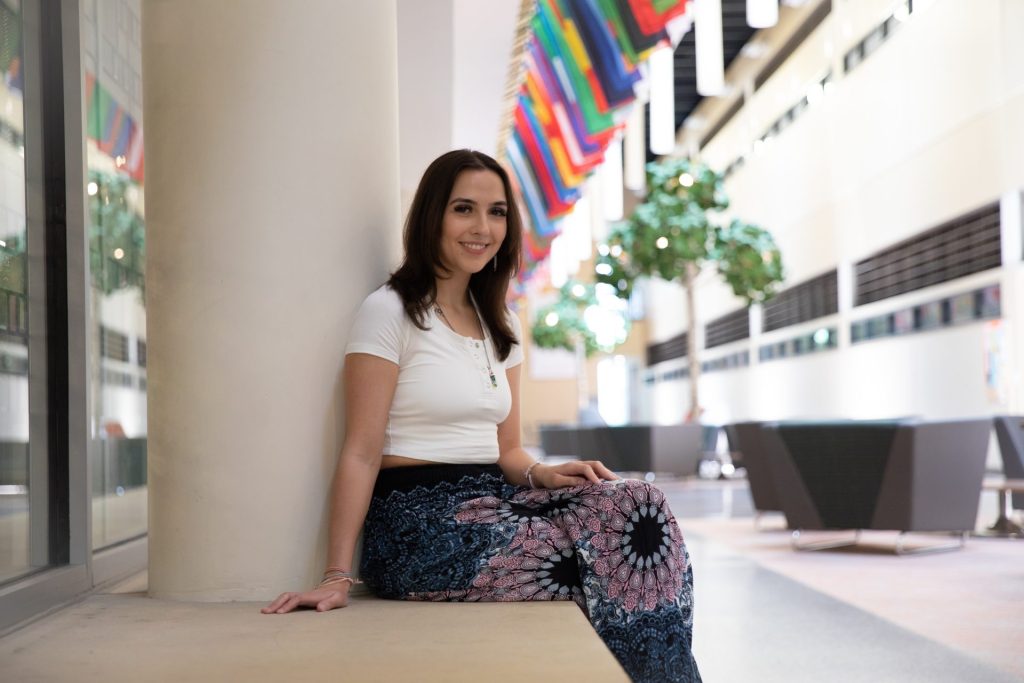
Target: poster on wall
994 341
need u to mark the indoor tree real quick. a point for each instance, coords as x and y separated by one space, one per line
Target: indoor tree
117 233
676 233
575 321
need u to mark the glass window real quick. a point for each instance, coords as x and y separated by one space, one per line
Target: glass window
15 533
111 60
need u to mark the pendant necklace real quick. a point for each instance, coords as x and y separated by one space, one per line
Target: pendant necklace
487 356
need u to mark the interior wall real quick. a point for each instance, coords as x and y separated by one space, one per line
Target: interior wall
426 76
554 401
453 58
926 128
482 43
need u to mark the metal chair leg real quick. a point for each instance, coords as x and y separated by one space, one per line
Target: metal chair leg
901 549
1003 527
822 545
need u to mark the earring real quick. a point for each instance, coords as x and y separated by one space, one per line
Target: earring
494 261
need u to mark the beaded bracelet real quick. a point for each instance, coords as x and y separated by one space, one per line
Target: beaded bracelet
337 575
339 570
529 475
338 579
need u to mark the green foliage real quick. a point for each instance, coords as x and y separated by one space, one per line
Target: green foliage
12 263
567 315
116 229
675 228
749 261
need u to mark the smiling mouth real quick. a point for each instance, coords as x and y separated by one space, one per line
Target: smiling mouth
475 247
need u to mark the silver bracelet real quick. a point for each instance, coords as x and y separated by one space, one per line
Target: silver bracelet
529 474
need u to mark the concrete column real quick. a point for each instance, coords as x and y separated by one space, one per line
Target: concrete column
453 58
426 75
272 210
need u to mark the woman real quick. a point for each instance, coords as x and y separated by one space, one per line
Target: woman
454 508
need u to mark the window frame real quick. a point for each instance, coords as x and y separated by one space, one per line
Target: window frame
60 325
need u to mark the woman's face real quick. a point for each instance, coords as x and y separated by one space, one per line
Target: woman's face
474 226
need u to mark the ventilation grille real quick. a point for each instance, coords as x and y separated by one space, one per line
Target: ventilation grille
729 328
795 40
13 315
966 245
814 298
820 340
113 345
11 364
877 36
667 350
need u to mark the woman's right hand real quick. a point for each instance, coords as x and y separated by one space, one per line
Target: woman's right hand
323 599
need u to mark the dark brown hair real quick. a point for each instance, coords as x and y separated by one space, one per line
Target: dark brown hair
415 280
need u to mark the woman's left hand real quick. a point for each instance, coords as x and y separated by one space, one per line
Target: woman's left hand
574 473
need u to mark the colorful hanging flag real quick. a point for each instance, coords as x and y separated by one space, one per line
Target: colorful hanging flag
115 132
580 68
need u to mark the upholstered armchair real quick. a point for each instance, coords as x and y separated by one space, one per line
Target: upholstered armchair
1010 434
745 438
906 476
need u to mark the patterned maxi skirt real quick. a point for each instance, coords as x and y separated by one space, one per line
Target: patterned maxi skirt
463 533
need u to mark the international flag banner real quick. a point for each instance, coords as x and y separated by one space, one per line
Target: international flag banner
616 77
591 146
580 66
564 193
554 206
542 223
573 81
645 43
124 136
136 159
112 128
653 15
535 102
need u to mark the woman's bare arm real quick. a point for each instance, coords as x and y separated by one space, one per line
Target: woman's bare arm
513 458
369 388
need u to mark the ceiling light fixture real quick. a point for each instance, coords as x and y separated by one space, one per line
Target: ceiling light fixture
611 180
762 13
708 42
663 105
634 150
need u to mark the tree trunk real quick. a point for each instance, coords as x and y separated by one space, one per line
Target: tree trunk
689 275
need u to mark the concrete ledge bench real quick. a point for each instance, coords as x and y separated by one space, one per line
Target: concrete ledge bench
135 638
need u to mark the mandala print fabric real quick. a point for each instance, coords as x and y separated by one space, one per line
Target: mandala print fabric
463 533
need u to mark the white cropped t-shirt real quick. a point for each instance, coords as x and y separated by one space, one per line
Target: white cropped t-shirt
445 408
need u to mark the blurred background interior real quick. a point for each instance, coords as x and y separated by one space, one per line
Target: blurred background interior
774 263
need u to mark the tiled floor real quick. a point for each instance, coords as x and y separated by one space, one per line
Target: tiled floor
858 614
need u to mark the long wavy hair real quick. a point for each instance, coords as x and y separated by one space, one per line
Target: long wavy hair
415 280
